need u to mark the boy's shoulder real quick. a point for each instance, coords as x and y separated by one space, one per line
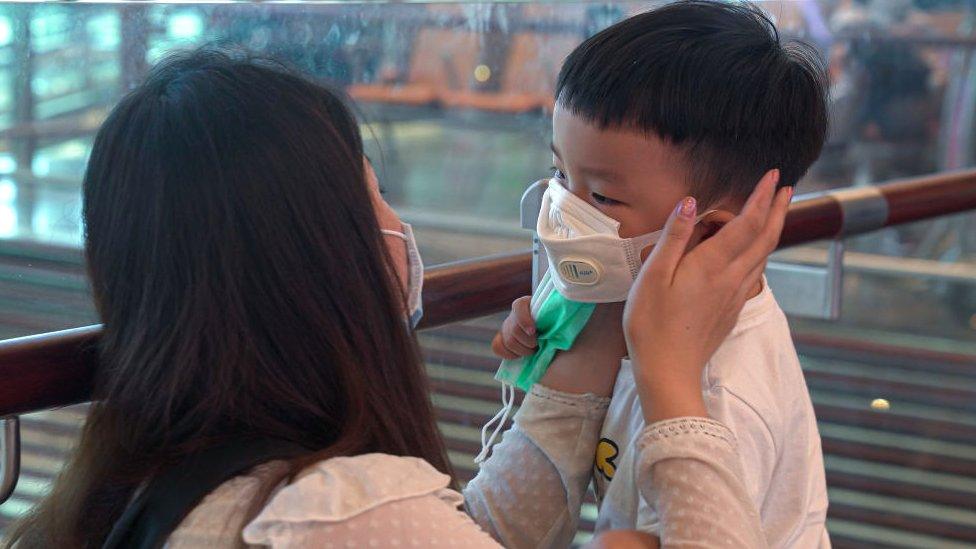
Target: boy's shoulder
758 363
759 342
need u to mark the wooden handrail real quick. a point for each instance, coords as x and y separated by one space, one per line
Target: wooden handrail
47 370
56 369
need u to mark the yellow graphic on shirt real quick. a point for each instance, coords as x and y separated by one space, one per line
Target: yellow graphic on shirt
606 452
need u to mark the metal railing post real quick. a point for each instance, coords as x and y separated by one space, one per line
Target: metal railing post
10 442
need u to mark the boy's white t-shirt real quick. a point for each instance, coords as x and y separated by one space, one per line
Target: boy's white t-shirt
753 384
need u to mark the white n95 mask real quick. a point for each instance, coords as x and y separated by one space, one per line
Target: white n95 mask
588 259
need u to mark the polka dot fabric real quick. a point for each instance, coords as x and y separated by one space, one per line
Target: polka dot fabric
420 521
690 472
528 493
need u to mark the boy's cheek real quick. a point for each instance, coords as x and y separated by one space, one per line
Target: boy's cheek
636 224
641 219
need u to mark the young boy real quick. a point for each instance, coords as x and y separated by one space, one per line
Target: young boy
696 98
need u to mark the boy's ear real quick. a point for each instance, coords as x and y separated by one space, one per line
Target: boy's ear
711 223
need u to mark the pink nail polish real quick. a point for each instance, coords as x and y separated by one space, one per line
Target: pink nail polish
688 207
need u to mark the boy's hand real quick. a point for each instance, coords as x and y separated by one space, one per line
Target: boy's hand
517 336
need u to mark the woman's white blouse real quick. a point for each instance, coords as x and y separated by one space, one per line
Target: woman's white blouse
688 470
372 500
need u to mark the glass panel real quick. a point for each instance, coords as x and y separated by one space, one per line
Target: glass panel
455 101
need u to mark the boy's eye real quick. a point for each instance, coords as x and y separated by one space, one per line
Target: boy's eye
558 174
604 200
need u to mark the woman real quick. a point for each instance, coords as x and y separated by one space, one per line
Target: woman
254 286
245 287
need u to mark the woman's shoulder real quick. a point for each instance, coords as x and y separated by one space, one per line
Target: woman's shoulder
216 521
339 489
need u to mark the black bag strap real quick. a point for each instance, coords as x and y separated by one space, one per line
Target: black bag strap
170 496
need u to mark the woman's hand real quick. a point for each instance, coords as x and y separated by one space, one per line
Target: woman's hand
683 305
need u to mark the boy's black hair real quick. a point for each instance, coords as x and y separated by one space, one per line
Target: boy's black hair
711 78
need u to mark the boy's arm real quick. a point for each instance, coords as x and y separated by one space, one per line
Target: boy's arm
591 365
529 492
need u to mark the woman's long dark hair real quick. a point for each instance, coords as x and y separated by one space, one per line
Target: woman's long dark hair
245 288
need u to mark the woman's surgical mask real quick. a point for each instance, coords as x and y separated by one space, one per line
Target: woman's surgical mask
415 270
415 267
588 259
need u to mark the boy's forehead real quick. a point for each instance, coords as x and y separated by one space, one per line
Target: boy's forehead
578 141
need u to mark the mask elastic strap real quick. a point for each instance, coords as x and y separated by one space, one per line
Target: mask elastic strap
640 242
508 402
649 239
634 246
397 234
702 215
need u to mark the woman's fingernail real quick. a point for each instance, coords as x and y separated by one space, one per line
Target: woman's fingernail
688 207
